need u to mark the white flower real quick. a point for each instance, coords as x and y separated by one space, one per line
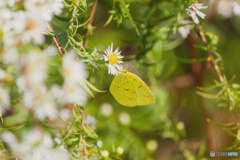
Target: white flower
124 118
90 120
224 7
4 100
56 6
74 93
65 114
59 154
105 153
120 150
185 29
99 143
29 26
73 71
9 55
39 8
34 67
35 146
114 58
106 109
193 11
151 145
41 101
236 8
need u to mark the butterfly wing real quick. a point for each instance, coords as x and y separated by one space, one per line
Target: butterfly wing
123 90
129 90
143 94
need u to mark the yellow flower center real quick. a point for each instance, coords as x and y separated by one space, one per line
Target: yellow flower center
113 59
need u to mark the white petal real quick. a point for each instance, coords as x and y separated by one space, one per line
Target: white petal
105 58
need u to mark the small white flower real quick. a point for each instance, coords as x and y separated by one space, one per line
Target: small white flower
185 29
124 118
4 100
106 109
29 26
193 11
224 7
152 145
35 146
120 150
75 94
90 120
65 114
59 154
236 8
105 153
40 8
9 55
99 143
56 6
41 101
114 59
73 71
34 67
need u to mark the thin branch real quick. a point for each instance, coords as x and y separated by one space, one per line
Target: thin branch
90 22
216 68
56 41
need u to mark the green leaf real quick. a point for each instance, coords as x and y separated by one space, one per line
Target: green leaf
92 87
209 96
220 125
88 130
129 15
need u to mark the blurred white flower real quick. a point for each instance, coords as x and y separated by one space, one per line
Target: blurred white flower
65 114
105 153
185 29
99 143
40 8
35 146
74 93
2 74
193 11
42 102
236 8
73 70
33 66
4 100
9 55
124 118
91 120
106 109
120 150
74 74
59 154
56 6
114 59
151 145
28 26
224 7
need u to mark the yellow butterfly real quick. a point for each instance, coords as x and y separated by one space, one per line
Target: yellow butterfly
129 90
